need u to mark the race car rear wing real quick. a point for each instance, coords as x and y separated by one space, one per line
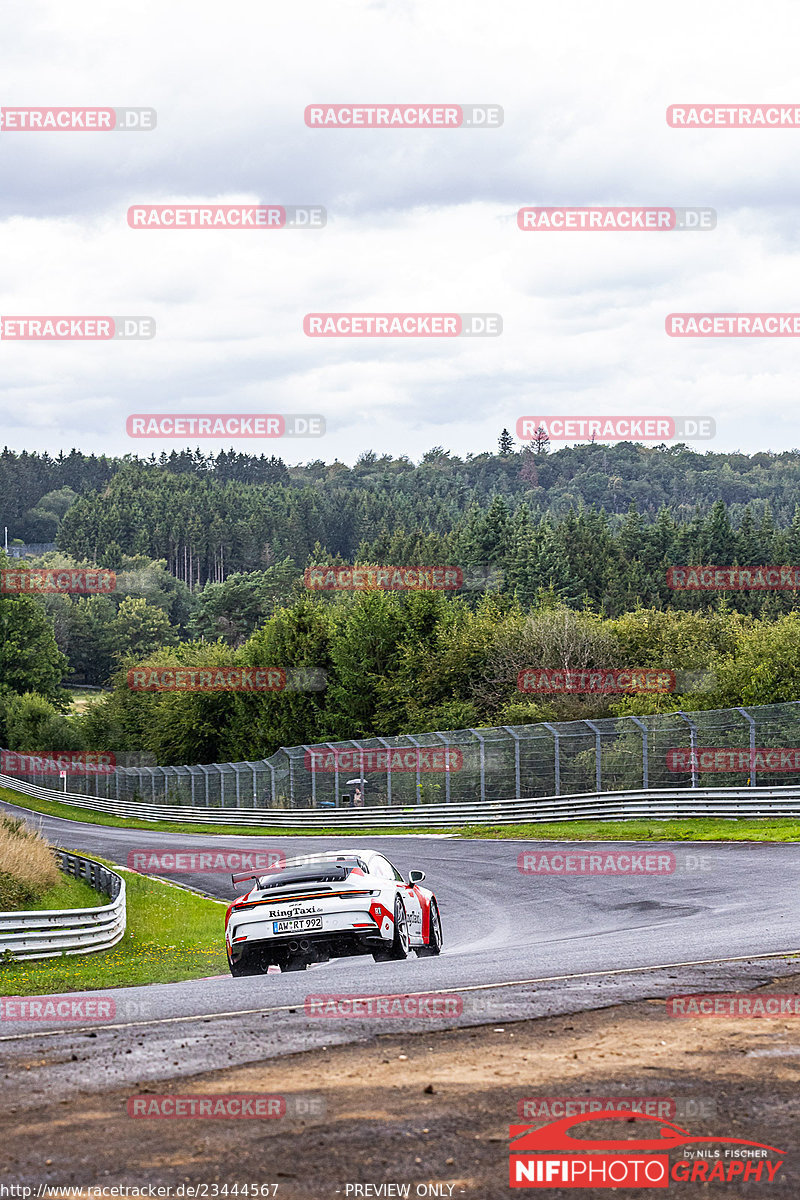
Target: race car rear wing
331 871
240 876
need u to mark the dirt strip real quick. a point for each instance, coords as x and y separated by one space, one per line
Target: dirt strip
426 1109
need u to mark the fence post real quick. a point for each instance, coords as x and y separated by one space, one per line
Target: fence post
384 742
597 749
557 756
747 717
517 784
482 741
692 744
205 776
238 793
335 754
415 743
645 757
310 754
446 767
361 780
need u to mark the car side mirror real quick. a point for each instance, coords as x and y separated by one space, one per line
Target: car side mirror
416 876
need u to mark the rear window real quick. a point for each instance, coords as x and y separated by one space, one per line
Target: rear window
329 871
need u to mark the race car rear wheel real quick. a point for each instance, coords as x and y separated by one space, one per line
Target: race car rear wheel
401 942
434 945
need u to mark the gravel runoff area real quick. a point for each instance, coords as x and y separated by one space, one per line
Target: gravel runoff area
426 1110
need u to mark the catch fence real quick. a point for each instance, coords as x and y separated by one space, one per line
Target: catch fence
756 746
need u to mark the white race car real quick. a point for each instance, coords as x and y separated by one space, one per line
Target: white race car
331 905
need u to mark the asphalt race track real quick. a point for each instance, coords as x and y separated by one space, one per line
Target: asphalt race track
516 946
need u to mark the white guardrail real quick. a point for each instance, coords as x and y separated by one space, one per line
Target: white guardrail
49 933
659 805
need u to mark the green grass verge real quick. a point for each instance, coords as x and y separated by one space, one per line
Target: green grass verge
171 934
694 829
71 893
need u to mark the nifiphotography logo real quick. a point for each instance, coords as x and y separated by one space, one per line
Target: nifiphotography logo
553 1156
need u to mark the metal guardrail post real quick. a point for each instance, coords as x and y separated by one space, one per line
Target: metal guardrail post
598 774
556 756
751 719
517 777
645 759
692 745
205 777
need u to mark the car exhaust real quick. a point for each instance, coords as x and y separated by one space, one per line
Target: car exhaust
294 947
305 944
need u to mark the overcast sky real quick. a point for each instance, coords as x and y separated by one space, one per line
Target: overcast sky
418 220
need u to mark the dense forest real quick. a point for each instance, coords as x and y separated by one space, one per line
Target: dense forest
565 554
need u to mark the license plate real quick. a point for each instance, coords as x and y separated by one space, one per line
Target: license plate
297 925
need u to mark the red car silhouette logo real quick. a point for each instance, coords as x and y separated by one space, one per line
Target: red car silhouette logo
556 1136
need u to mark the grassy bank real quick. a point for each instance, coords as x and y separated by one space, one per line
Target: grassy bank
172 934
28 868
71 893
689 829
